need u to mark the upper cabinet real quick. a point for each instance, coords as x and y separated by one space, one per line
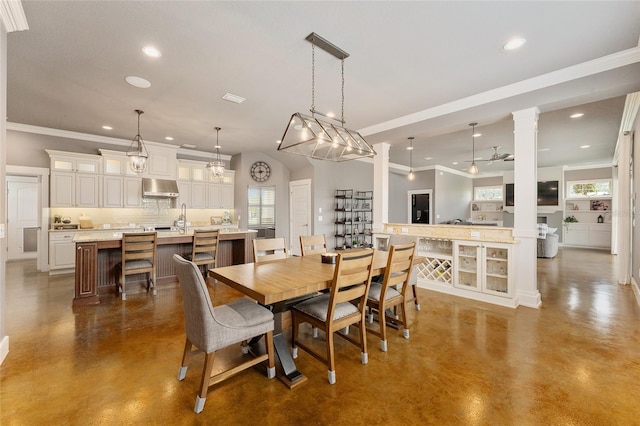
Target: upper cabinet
75 179
74 162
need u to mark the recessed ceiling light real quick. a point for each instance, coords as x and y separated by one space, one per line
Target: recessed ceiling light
428 158
330 115
138 82
454 163
514 43
168 138
585 146
477 135
278 141
544 149
409 148
188 145
151 51
107 127
576 115
233 98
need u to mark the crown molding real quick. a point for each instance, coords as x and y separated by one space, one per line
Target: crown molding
12 15
88 137
574 72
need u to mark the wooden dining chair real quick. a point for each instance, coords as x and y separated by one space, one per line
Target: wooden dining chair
139 254
312 244
391 292
205 249
265 249
343 306
413 277
210 329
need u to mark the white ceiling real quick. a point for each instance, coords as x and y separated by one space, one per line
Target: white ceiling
422 69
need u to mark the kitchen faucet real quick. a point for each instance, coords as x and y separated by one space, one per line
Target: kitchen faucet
183 215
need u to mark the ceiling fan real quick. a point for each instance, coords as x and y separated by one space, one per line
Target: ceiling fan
496 156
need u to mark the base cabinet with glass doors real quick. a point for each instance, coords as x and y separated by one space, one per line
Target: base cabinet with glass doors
482 267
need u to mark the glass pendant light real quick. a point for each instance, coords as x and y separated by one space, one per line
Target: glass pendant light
473 168
216 167
137 152
411 176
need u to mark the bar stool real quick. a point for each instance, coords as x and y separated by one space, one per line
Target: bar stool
139 253
205 249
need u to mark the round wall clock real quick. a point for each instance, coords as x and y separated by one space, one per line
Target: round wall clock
260 171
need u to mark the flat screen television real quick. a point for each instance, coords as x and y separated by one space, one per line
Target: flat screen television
547 193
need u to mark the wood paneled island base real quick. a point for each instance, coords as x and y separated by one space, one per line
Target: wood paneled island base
98 254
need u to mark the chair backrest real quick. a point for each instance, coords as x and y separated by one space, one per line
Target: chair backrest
205 241
395 239
265 249
313 244
399 265
198 309
139 246
351 279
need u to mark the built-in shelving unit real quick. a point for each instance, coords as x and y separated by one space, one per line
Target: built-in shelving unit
593 226
353 218
486 211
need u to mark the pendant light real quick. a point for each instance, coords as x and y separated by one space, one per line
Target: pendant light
473 168
216 167
137 152
411 176
319 138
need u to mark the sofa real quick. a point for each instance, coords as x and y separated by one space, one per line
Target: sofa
548 246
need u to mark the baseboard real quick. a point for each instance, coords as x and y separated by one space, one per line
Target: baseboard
636 290
4 348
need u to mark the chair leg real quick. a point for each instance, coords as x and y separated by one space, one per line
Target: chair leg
404 320
204 382
185 360
383 327
153 282
330 358
271 362
364 356
294 336
416 304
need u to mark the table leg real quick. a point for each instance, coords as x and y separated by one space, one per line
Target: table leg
291 377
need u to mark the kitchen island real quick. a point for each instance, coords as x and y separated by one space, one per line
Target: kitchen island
98 254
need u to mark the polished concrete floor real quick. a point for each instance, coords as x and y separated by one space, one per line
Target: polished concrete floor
575 361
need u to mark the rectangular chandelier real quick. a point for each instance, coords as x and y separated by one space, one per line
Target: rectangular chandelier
319 138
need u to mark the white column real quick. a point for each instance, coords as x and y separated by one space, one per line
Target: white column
623 213
525 206
381 185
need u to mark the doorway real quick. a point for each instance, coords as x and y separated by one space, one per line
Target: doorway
300 213
420 209
28 214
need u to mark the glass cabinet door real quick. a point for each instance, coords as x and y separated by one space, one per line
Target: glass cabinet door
496 258
467 273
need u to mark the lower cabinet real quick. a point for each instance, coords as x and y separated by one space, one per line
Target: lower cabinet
86 274
596 235
62 251
482 267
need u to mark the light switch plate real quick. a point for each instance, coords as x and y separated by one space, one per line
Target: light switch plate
475 234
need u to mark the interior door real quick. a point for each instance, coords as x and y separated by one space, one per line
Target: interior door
22 217
300 214
420 206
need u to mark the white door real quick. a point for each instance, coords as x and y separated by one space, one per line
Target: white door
300 213
22 217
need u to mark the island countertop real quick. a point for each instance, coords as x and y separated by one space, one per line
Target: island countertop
162 235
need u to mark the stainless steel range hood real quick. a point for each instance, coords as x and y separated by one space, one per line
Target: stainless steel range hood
159 188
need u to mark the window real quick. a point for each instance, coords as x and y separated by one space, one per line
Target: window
487 193
589 188
262 206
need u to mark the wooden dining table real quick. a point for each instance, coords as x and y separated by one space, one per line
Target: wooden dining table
276 282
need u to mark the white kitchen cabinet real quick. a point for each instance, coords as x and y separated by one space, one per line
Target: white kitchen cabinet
74 190
161 162
112 191
62 250
132 192
62 161
198 195
595 235
221 193
184 189
482 267
194 171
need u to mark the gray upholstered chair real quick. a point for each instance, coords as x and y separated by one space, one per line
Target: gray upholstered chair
391 292
344 306
210 329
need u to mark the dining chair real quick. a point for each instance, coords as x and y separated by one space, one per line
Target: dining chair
265 249
204 250
413 276
210 329
391 292
312 244
139 254
343 306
